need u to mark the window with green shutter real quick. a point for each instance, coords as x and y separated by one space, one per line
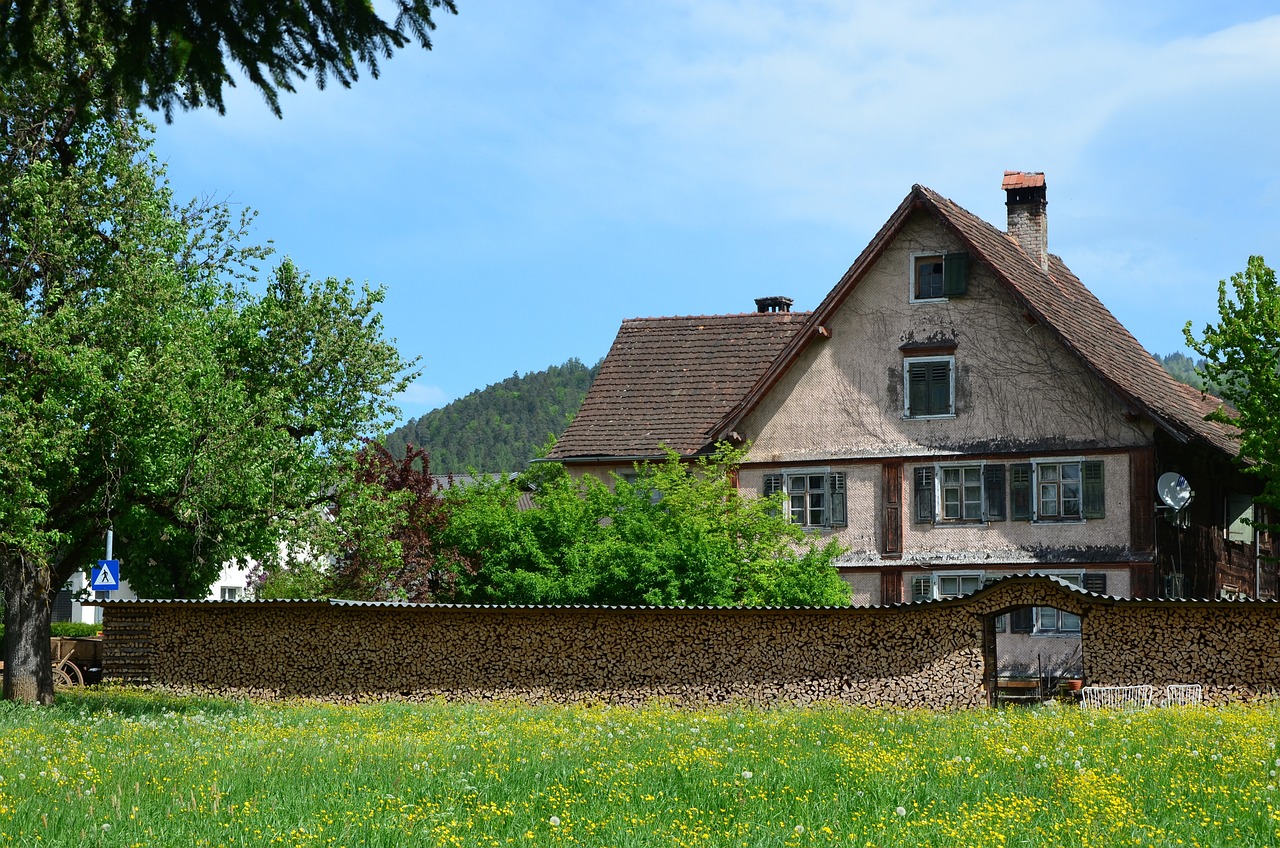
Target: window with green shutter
940 275
1057 490
929 390
813 498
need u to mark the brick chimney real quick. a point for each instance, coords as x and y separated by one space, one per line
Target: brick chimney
773 304
1024 197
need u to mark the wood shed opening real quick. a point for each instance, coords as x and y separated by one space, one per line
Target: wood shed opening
1032 654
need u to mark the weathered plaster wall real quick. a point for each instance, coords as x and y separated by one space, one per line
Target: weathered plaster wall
1017 388
928 655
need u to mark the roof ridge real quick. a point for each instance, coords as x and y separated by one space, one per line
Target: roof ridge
766 316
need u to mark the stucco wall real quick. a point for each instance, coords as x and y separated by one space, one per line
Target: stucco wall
928 655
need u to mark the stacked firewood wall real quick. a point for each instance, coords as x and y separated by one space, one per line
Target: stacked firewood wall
921 655
127 650
925 657
1230 648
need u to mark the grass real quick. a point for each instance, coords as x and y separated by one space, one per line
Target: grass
122 767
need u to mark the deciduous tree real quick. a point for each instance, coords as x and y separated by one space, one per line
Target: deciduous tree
678 534
142 385
390 528
1242 362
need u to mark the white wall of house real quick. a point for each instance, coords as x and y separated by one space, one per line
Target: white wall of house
232 585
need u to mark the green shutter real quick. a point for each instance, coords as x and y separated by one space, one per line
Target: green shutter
955 274
836 485
923 511
993 491
1022 620
1020 491
1094 505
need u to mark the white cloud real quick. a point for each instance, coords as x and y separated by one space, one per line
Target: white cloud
420 398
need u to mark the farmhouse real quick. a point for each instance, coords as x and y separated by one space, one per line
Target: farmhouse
958 408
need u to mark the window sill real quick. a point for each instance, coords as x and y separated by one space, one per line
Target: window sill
906 417
1065 521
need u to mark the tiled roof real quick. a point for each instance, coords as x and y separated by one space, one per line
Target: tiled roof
667 381
1022 179
1056 298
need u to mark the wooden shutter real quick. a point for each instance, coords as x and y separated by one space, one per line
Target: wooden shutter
891 586
1022 620
1094 500
924 496
1095 581
1020 491
835 485
1142 488
917 388
891 519
993 492
955 274
772 484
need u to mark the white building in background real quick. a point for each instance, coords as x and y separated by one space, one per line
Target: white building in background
232 585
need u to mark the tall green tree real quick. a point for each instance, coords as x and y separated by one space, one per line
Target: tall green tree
1242 361
142 385
679 534
180 53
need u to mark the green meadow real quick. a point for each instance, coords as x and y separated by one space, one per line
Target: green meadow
120 767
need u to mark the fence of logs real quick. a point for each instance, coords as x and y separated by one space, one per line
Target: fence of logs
929 655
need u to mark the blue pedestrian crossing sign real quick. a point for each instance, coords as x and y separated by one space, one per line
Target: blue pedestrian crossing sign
106 577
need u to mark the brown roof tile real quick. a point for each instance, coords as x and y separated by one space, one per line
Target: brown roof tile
1022 179
667 381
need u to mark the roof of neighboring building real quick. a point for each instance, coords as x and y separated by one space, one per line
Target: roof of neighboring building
668 381
1054 298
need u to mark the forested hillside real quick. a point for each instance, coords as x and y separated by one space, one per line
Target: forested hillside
498 428
1183 368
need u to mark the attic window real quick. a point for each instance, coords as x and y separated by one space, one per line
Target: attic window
939 276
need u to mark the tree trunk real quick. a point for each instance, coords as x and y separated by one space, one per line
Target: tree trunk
28 609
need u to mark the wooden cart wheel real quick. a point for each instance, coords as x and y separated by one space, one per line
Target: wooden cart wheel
66 673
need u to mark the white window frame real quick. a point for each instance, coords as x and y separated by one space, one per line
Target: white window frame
935 579
1039 627
1037 515
907 362
939 492
807 509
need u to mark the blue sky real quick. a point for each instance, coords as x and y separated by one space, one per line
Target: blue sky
549 169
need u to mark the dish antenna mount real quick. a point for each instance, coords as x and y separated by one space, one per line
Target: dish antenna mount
1176 493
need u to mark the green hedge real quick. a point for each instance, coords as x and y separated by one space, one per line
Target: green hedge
65 628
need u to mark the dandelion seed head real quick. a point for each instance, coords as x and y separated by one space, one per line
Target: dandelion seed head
555 821
900 812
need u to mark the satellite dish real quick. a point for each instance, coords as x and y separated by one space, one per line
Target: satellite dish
1174 490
